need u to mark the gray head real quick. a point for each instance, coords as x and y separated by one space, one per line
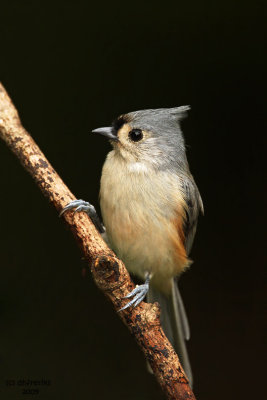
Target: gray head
150 136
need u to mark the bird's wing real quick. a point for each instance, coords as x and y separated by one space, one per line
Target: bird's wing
194 206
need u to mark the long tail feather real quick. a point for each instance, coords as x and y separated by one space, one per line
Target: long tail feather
175 323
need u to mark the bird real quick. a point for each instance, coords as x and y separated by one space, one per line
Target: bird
150 205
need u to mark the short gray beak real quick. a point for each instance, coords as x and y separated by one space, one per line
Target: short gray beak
108 132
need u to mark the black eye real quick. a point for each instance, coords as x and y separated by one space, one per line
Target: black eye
135 135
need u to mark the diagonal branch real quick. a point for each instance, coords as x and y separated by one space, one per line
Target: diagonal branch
108 271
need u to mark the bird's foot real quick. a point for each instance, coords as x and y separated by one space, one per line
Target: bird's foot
138 294
85 206
79 205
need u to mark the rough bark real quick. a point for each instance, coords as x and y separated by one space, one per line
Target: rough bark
109 273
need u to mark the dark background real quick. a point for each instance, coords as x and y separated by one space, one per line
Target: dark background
74 66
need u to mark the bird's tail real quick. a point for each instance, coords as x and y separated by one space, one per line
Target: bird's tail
174 323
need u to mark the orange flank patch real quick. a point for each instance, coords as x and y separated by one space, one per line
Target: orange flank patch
179 244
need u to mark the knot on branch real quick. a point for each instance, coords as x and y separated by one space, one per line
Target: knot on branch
109 273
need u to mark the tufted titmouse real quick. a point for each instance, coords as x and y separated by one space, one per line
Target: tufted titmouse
150 205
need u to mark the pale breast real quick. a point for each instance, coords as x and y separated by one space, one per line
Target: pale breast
140 209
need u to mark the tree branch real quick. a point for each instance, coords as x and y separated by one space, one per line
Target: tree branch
108 271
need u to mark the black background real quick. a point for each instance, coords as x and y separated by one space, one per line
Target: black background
74 66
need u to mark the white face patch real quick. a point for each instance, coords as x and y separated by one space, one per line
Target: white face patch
137 167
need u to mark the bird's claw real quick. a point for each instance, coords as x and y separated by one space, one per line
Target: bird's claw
79 205
139 294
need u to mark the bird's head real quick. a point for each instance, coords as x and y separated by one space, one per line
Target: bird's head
149 136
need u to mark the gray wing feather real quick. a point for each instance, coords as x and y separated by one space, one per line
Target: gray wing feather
194 206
